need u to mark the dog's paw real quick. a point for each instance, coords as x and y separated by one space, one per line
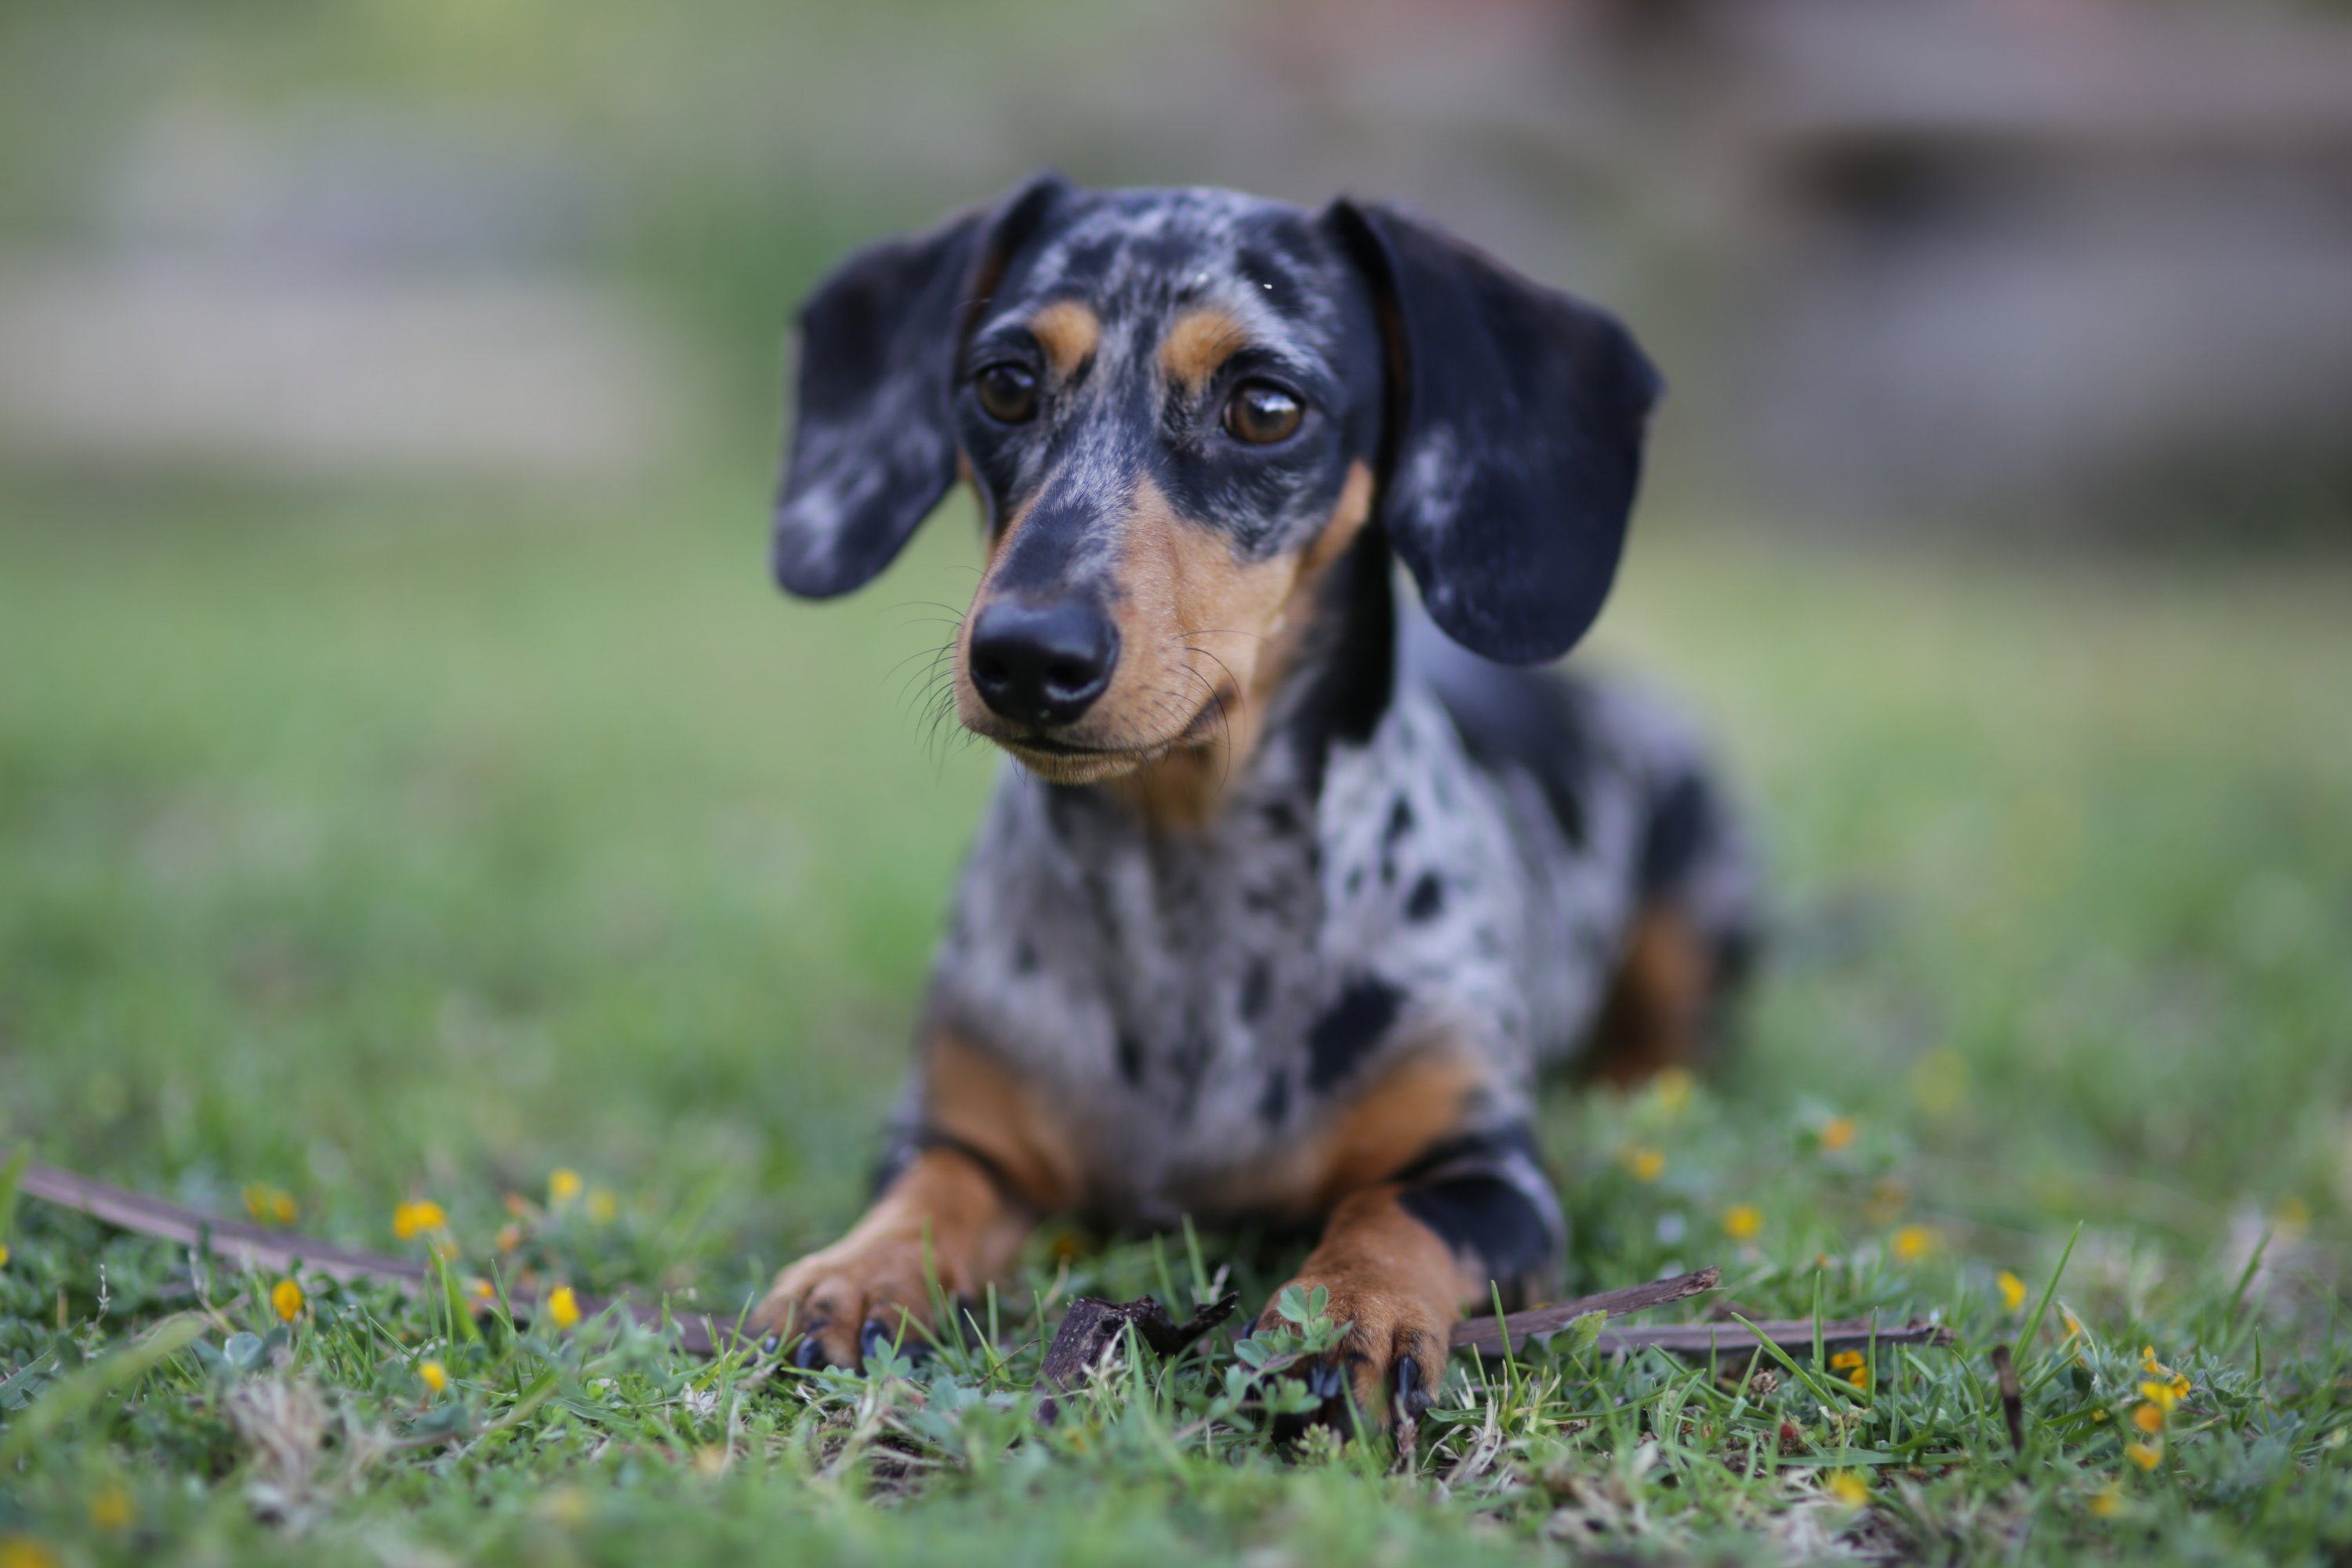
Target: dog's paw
836 1307
1387 1368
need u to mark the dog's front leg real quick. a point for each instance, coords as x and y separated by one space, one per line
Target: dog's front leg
1403 1257
985 1166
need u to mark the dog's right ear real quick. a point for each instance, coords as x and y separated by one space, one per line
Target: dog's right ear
873 444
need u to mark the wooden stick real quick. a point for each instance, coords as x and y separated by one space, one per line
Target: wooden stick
1794 1335
1485 1335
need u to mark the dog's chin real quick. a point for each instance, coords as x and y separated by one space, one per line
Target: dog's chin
1076 767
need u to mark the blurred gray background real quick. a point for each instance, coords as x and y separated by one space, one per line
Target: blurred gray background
1995 268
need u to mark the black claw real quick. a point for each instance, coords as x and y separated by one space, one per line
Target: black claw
1323 1381
873 1339
1412 1398
768 1346
806 1355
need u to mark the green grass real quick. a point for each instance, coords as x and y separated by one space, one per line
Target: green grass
419 846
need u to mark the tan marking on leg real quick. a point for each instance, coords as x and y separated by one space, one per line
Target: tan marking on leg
1427 1095
946 1215
1198 343
1068 332
969 1094
1656 1014
1399 1288
943 1217
1422 1100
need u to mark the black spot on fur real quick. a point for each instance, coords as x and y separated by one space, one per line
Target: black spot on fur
1257 990
1400 824
1130 1059
1681 823
1349 1028
1274 1103
1486 1218
1024 957
1427 900
1281 818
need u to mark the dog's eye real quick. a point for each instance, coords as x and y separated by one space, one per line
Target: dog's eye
1008 392
1261 413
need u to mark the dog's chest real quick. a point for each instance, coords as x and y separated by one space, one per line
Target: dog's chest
1197 1004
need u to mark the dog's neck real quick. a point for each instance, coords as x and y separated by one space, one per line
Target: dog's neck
1323 678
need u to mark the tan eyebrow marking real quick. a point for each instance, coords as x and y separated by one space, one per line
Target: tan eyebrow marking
1067 331
1198 343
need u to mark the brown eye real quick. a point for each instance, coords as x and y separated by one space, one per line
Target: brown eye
1008 392
1261 412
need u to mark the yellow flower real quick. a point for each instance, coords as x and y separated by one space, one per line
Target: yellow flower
269 1205
2148 1418
1854 1365
2104 1502
24 1551
2163 1396
411 1220
1914 1242
1849 1488
285 1298
1743 1221
562 1307
3 1255
2012 1291
2147 1456
1837 1133
436 1375
562 1187
110 1507
480 1289
1646 1163
1673 1086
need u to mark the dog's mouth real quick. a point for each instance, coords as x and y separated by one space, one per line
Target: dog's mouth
1082 762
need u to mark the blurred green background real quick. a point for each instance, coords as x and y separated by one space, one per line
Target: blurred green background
409 781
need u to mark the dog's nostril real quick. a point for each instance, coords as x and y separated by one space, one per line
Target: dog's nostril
1069 675
988 671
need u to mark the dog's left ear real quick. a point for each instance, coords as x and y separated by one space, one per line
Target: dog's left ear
873 444
1514 440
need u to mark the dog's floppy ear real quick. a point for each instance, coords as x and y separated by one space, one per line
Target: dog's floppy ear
874 445
1514 440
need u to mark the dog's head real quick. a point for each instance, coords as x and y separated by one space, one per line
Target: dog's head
1179 409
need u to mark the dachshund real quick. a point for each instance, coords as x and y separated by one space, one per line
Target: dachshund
1296 876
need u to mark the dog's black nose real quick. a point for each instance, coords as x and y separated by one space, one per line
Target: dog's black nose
1042 664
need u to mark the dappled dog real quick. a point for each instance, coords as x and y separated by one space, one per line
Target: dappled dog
1302 888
